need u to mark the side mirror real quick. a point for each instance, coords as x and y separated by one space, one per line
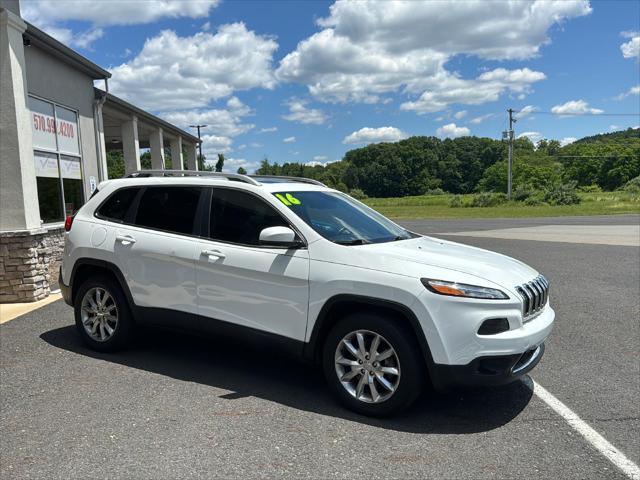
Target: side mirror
279 237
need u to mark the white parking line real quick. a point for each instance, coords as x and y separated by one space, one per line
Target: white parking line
600 443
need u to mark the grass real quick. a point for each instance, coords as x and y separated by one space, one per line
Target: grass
437 206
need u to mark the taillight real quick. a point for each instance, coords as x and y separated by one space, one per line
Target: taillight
68 223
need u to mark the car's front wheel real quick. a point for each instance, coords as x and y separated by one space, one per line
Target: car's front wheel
372 364
102 314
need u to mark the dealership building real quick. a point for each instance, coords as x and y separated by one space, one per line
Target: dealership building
55 131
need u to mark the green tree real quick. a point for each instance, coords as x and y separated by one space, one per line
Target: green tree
115 164
220 162
242 171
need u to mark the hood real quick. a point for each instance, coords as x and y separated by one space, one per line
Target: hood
407 257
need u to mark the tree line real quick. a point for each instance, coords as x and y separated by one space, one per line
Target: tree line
420 165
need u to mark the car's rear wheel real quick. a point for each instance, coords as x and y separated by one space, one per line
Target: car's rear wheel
102 314
372 364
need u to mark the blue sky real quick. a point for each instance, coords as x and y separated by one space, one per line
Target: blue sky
305 81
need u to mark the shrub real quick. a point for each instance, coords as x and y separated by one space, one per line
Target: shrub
520 194
591 188
487 199
534 201
633 185
456 201
562 194
358 194
435 191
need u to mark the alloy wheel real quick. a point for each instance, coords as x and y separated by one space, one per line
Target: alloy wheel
367 366
99 314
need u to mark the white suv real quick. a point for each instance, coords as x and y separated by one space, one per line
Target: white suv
381 309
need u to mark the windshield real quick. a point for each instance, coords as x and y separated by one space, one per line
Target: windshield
341 219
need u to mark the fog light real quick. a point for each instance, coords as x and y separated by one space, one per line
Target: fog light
493 326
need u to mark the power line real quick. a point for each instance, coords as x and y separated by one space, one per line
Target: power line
594 156
602 114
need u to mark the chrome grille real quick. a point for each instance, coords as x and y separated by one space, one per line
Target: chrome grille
534 295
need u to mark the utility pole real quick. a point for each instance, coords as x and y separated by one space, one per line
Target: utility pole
199 141
509 134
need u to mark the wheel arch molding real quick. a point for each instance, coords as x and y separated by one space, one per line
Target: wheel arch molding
82 269
340 305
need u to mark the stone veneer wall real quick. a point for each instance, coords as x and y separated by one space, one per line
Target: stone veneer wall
29 262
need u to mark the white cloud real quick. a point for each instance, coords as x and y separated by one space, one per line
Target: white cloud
221 124
50 14
319 158
631 49
114 13
451 130
535 137
459 115
488 87
174 72
324 163
226 121
367 49
269 130
82 39
232 165
526 110
206 26
289 140
214 144
575 107
632 91
567 140
481 118
614 127
375 135
298 112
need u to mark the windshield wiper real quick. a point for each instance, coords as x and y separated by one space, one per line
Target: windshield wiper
355 241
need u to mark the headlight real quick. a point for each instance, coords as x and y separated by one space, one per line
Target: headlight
463 290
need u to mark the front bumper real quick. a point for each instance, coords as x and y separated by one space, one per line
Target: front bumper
487 371
64 289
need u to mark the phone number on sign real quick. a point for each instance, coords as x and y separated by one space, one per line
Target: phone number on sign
48 125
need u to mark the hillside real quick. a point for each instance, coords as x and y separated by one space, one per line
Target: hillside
632 134
417 165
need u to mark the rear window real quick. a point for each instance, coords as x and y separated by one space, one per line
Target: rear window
116 206
171 209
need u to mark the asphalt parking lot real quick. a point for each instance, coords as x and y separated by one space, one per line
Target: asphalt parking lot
179 406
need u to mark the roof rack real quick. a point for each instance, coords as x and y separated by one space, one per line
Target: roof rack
291 179
250 179
193 173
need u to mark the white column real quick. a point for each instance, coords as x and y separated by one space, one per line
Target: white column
192 156
101 147
156 142
18 188
176 154
130 145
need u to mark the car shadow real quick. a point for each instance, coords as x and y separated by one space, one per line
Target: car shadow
249 372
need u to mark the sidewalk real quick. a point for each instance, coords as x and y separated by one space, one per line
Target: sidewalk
9 311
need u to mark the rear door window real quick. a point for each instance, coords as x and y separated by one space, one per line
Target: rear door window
170 209
117 205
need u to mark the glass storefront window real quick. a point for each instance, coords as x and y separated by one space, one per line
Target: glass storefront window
49 189
57 160
71 183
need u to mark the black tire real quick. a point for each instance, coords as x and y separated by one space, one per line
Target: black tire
401 338
123 331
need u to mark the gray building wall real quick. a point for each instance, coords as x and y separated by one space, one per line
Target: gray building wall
53 80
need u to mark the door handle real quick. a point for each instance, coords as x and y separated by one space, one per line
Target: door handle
214 253
125 239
